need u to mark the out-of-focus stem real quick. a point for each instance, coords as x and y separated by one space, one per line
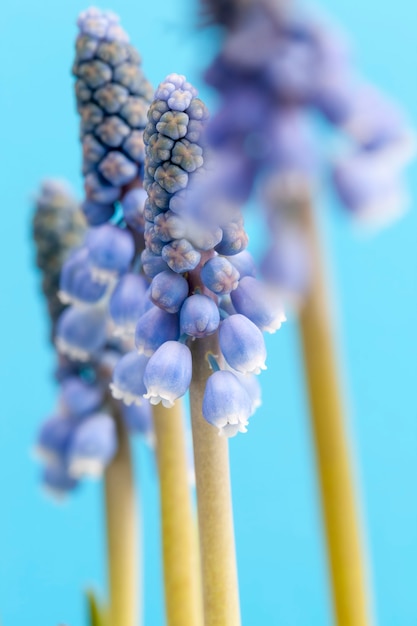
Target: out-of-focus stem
122 531
179 537
215 516
346 557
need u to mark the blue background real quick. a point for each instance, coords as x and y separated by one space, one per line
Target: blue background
49 553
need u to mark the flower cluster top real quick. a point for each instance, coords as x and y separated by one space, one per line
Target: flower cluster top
113 97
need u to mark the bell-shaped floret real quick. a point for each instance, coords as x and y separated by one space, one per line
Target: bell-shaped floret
226 405
370 187
57 481
79 397
244 263
168 291
54 437
219 275
261 305
127 303
92 446
234 238
168 373
251 384
242 344
127 382
154 328
76 284
111 250
80 333
199 316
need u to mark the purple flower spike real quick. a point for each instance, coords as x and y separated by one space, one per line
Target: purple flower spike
254 300
110 251
168 291
168 373
80 332
219 275
78 398
199 316
93 446
127 382
226 405
154 328
242 344
127 303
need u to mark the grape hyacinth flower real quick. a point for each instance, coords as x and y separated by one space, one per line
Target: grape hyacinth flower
113 97
275 68
196 275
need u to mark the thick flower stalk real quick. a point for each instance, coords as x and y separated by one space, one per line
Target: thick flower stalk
200 273
275 69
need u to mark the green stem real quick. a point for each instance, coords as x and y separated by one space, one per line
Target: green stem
179 537
346 557
215 516
122 529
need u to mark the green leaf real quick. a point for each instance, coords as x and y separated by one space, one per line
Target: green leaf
97 614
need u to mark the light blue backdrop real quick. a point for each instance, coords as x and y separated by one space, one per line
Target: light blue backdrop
48 553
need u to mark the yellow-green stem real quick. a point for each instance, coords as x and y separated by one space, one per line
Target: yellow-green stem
215 516
179 537
122 531
341 518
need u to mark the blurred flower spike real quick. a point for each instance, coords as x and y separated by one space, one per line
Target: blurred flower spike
277 66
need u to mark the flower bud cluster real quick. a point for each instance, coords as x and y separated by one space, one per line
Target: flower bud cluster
80 439
274 70
58 226
113 97
199 268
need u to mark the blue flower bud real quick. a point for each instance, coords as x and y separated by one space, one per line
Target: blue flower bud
110 251
168 291
226 405
80 333
127 303
244 263
57 481
111 98
127 382
98 191
76 285
168 373
199 316
234 238
134 146
132 204
181 256
219 275
118 169
134 111
97 213
92 446
258 303
169 226
173 124
112 131
152 263
242 344
171 177
154 328
54 437
78 398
